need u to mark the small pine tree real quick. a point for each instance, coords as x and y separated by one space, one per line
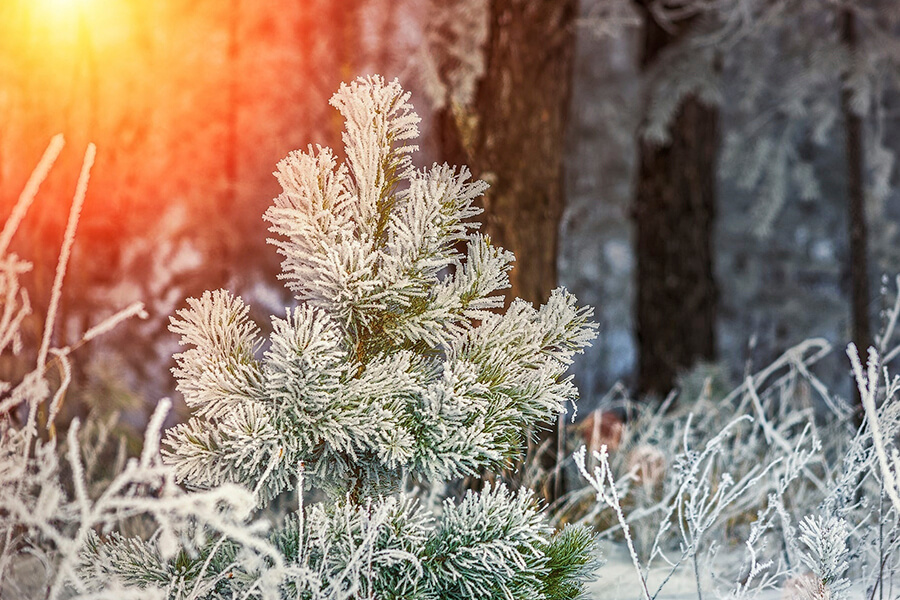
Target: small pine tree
396 366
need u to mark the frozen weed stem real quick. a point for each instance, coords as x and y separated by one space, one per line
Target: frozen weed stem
50 520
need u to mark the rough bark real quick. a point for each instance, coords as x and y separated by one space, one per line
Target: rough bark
856 205
673 212
234 74
513 137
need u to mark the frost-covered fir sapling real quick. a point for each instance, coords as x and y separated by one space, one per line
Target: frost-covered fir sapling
397 365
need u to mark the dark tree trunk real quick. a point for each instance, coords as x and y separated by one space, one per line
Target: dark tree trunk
856 203
344 17
223 244
231 144
673 212
513 137
333 57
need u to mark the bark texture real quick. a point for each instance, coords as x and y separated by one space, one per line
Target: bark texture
856 208
513 138
673 212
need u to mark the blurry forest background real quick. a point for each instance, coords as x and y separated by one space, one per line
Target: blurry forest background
716 178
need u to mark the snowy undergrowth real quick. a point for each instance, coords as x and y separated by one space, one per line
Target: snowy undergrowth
751 493
54 504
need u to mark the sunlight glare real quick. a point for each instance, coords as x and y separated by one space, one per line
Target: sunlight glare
62 9
66 22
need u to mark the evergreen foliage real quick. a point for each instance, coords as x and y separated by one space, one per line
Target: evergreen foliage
393 364
396 365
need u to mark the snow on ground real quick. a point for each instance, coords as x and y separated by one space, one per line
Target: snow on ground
617 580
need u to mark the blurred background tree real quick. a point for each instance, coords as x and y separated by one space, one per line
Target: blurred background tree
675 196
504 114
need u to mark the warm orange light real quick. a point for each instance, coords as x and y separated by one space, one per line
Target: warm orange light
61 19
61 9
67 23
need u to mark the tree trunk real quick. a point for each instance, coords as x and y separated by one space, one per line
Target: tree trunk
513 138
856 203
673 212
231 143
